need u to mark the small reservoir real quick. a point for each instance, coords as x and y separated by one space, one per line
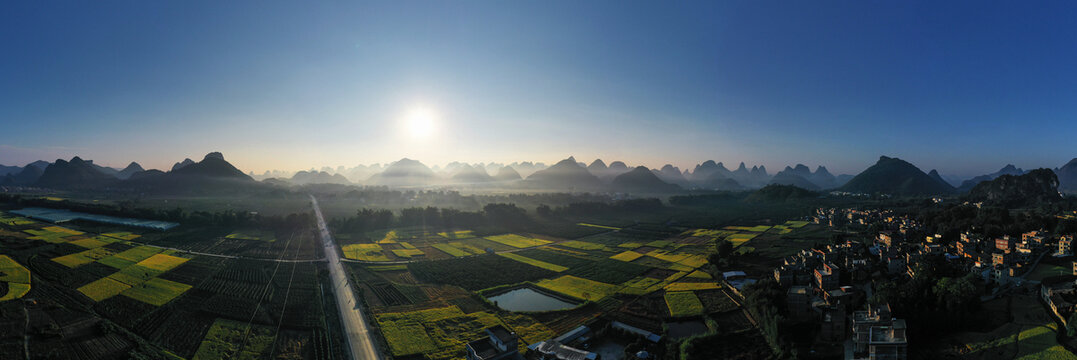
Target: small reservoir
528 299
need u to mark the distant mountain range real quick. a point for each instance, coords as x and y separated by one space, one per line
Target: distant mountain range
887 176
1028 189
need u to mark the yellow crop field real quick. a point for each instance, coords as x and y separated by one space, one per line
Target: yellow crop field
15 291
253 235
579 288
102 289
389 238
667 256
530 261
14 220
129 257
364 252
699 274
89 243
162 262
627 256
692 286
61 230
694 261
517 241
407 245
630 245
461 234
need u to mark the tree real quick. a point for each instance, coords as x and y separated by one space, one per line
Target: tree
725 248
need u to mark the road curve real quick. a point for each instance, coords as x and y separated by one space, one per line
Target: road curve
360 344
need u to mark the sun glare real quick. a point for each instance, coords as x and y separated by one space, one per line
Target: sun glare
421 123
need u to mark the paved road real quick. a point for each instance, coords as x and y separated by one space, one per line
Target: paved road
360 345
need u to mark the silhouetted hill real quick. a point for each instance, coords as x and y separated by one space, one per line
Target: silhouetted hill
211 166
642 179
27 176
404 172
896 177
76 173
597 168
619 167
565 175
105 169
1067 177
146 175
671 174
4 170
779 193
823 178
471 174
934 174
182 164
1009 169
717 181
131 169
706 172
507 173
317 177
1031 189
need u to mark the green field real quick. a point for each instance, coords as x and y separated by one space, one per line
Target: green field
83 258
156 291
364 252
103 288
691 286
627 256
579 288
252 235
440 333
16 276
451 250
225 340
599 226
683 303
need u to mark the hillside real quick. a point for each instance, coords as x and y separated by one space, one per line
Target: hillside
76 173
1033 188
896 177
780 193
642 179
212 165
404 172
1009 169
507 173
1067 177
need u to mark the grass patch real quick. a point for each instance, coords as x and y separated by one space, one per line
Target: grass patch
162 262
408 253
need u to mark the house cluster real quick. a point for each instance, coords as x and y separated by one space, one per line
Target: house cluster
820 287
837 217
1005 259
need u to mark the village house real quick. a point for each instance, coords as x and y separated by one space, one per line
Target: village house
500 343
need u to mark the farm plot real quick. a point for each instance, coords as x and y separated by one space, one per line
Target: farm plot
52 234
83 258
452 250
609 271
440 333
627 256
683 303
477 272
460 234
518 241
16 276
530 261
103 288
14 220
156 291
252 235
408 253
599 226
583 245
690 286
579 288
130 256
230 339
364 252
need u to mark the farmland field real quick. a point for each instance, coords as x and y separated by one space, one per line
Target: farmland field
683 303
441 333
578 287
517 241
156 291
530 261
229 339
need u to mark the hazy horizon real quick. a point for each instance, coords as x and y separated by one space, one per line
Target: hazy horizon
962 87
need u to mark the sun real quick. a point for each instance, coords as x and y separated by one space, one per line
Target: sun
421 123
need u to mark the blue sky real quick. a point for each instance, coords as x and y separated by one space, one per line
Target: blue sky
965 87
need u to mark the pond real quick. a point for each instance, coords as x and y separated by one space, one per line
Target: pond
528 299
683 329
